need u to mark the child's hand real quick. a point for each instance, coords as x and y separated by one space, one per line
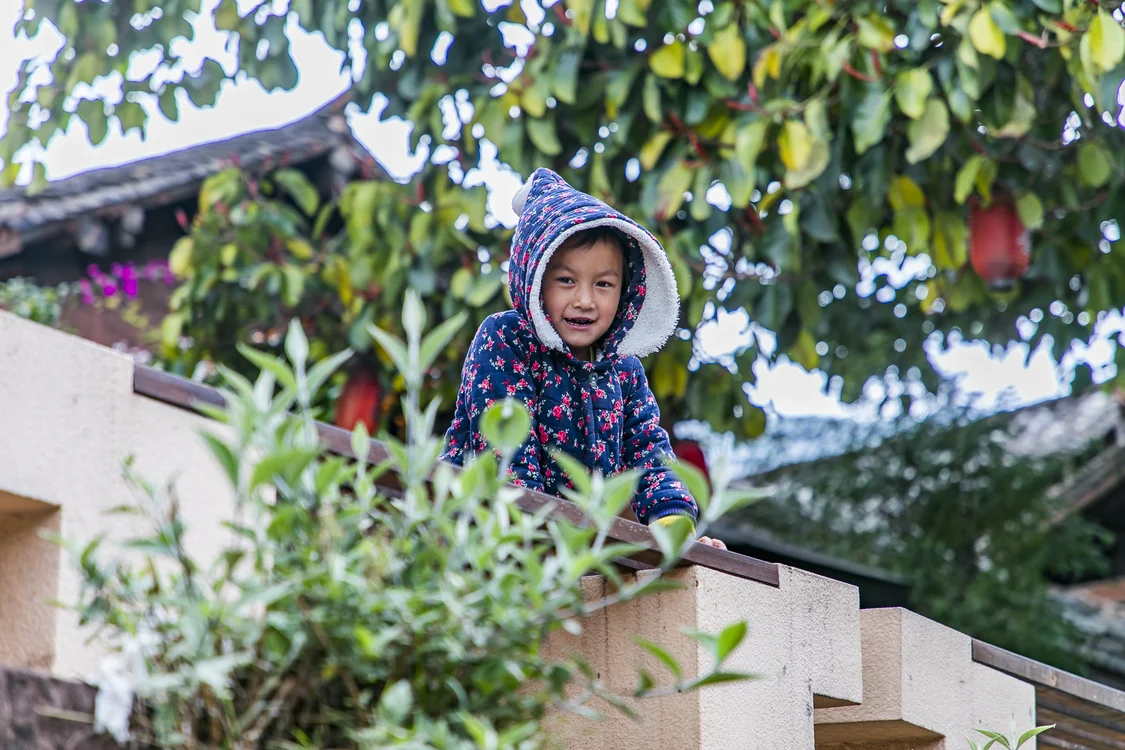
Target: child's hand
718 543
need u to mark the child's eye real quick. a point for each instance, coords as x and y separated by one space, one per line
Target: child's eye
564 280
606 284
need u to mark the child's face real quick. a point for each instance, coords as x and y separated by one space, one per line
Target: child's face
581 289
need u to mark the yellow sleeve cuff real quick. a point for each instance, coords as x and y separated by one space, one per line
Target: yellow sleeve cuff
670 520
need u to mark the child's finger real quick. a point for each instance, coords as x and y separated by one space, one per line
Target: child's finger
712 542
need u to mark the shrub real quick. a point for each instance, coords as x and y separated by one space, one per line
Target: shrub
345 613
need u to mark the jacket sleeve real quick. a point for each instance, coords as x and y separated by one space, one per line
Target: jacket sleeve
495 369
646 446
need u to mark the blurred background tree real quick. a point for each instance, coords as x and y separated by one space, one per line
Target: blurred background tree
958 506
860 178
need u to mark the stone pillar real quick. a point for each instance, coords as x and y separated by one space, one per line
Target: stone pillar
922 690
802 640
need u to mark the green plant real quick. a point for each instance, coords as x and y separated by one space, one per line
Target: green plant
344 613
29 300
1011 742
820 143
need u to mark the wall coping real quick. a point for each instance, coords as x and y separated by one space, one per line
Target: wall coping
187 394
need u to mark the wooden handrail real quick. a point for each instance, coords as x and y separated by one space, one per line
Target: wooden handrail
183 393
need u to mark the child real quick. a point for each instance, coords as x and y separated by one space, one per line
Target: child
593 291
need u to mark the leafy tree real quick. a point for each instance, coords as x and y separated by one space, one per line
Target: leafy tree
781 149
968 522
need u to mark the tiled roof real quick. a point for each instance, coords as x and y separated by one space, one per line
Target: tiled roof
160 180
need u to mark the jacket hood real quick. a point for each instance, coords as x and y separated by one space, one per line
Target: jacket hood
550 211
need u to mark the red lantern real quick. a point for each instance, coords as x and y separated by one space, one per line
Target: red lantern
999 244
360 400
689 451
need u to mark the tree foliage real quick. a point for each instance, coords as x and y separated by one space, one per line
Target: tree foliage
970 524
783 150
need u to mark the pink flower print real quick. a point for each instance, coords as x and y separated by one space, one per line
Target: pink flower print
557 412
599 393
561 436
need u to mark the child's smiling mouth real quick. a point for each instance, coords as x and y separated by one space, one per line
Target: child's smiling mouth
580 323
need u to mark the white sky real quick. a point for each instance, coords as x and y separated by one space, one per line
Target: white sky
246 106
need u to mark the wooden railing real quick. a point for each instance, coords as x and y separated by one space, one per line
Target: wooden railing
184 393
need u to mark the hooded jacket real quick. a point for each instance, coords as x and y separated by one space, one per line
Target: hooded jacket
602 412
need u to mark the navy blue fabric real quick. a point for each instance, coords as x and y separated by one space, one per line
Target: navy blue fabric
603 412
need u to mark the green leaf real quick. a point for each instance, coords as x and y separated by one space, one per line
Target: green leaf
803 351
439 338
169 107
869 123
1093 165
1026 736
719 678
727 51
729 639
912 89
483 289
38 179
660 653
396 701
92 112
226 16
653 148
1049 6
1107 41
296 345
506 425
224 455
795 145
966 177
542 135
986 36
581 12
950 241
749 142
928 133
700 208
670 192
285 464
1030 210
650 98
565 80
579 475
875 33
271 364
300 188
668 61
1023 112
393 346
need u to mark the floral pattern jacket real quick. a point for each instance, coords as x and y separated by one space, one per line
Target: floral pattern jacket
601 413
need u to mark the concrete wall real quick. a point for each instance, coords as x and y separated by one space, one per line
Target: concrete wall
70 418
829 675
